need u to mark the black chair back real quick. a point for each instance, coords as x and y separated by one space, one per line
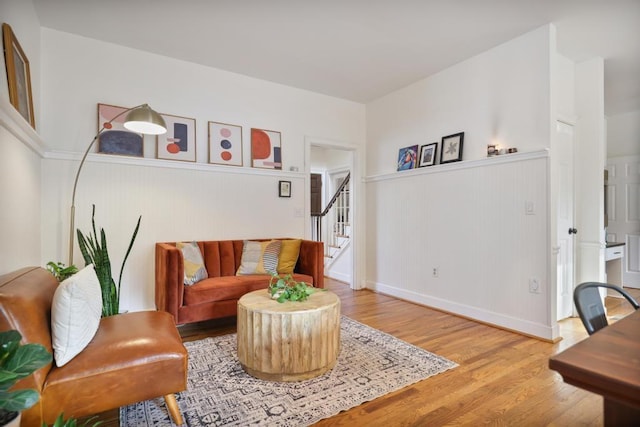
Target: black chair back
587 298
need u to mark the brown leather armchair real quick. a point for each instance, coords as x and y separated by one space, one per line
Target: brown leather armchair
133 357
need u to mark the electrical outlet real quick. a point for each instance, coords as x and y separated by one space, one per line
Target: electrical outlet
529 208
534 285
434 272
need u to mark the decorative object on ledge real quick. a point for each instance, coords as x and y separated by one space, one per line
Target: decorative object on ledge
225 144
117 139
266 150
138 119
428 155
179 142
407 158
451 148
491 150
18 75
284 188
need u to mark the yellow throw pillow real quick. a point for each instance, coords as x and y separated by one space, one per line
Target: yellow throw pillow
288 256
194 269
259 257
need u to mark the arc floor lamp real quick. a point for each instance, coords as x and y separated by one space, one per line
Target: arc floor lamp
140 119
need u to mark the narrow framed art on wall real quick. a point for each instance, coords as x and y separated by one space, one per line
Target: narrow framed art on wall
117 139
284 188
451 150
179 143
225 144
428 155
18 75
266 149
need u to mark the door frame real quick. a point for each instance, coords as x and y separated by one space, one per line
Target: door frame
357 197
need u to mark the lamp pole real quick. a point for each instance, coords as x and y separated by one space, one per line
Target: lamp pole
107 125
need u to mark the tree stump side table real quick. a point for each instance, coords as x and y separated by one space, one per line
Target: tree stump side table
290 341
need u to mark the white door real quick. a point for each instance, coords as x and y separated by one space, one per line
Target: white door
624 214
565 221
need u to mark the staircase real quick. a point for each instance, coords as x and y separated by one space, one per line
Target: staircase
332 226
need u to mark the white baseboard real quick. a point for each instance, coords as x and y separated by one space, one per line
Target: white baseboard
525 327
338 276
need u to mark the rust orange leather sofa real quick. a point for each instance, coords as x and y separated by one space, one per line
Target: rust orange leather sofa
217 296
132 357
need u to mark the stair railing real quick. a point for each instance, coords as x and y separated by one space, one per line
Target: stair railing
339 207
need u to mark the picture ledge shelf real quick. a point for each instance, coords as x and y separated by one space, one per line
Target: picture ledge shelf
171 164
11 119
465 164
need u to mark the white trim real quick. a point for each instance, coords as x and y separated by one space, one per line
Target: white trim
171 164
500 320
467 164
11 120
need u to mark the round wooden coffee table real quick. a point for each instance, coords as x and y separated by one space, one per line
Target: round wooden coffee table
290 341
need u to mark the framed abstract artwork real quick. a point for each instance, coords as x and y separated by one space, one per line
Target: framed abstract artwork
428 155
117 139
266 150
451 150
407 158
179 143
18 75
284 188
225 144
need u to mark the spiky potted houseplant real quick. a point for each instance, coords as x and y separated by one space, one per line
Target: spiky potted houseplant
18 361
95 252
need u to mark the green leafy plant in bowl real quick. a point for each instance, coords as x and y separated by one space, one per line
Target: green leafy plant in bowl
18 361
286 288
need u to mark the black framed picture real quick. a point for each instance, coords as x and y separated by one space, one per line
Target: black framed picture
428 155
451 150
284 188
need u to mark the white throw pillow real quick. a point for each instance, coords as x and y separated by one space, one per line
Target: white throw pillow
75 314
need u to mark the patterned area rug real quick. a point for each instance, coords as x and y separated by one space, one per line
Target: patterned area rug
371 363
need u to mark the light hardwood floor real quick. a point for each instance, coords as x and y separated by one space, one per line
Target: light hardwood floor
503 378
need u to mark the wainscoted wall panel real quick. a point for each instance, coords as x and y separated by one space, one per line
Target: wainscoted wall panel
470 225
175 204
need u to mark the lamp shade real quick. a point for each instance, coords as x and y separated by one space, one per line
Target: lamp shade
143 119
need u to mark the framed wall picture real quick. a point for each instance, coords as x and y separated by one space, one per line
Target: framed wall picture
407 158
225 144
117 140
284 188
18 75
428 155
266 149
179 143
451 150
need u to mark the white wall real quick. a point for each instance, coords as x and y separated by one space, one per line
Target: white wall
467 219
177 200
20 179
623 135
500 96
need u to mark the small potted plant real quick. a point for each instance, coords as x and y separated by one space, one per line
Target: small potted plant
61 271
18 361
287 289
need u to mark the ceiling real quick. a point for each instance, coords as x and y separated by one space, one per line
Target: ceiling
358 49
